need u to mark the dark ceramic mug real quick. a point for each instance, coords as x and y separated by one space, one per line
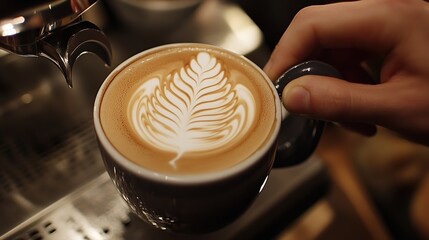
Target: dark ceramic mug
206 202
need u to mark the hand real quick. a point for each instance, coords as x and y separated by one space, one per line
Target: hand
348 35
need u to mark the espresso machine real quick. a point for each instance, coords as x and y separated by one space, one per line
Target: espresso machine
52 180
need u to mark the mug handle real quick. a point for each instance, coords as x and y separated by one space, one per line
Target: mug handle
299 136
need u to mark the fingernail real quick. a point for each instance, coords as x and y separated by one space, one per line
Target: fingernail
297 100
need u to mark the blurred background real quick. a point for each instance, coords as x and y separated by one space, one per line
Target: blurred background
52 179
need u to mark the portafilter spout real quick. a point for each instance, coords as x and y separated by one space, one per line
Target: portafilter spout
65 46
52 29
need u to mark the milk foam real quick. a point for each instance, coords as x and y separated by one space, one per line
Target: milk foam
193 109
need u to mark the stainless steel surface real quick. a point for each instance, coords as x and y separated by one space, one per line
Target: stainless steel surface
52 29
46 15
47 145
52 180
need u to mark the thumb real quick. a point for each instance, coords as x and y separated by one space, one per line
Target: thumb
335 100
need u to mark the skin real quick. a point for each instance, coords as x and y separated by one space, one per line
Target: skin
352 36
348 35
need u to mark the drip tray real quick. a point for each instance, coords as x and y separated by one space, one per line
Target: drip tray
96 211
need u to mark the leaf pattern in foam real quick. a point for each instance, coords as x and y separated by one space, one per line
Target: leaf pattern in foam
194 109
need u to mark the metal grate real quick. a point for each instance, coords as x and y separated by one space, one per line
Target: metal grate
93 212
97 212
32 178
22 163
47 141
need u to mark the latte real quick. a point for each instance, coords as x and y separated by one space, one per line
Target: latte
188 109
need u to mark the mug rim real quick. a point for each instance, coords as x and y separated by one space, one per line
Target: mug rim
186 179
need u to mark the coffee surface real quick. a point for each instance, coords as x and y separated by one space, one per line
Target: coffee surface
187 109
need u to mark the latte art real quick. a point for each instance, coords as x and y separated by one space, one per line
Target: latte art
192 109
188 109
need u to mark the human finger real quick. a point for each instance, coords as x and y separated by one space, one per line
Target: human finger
362 26
336 100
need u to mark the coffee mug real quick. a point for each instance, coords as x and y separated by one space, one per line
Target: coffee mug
189 133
